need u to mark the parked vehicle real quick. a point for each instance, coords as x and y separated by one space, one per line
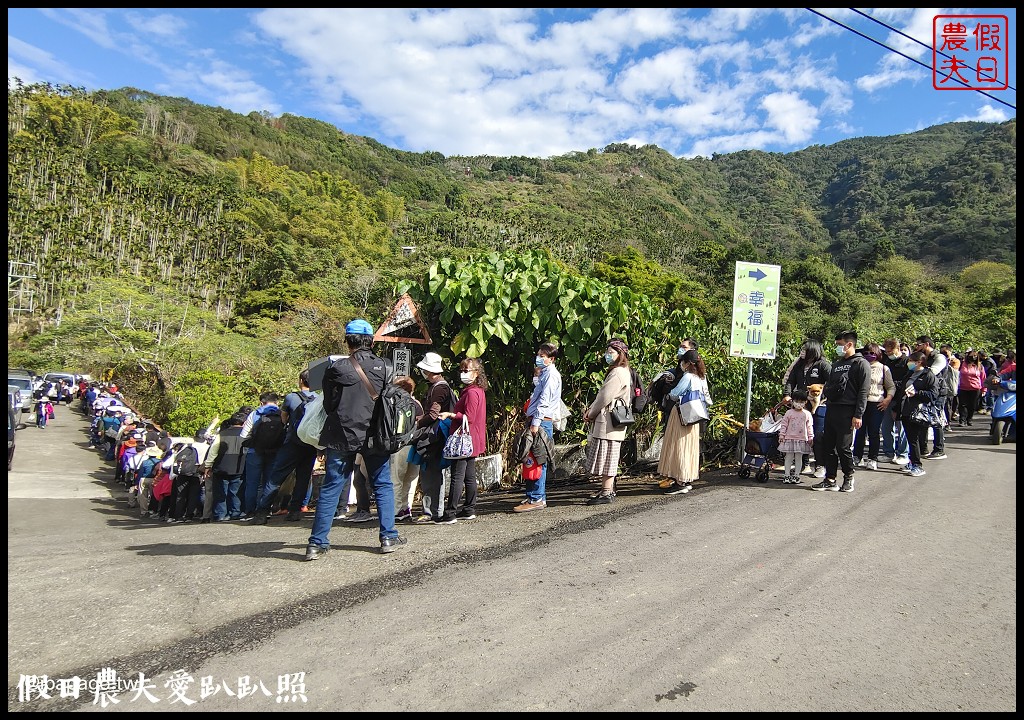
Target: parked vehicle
14 402
23 381
12 427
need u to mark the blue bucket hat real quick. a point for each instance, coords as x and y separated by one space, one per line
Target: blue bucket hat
358 327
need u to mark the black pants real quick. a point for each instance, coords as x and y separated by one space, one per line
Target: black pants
463 479
838 441
917 440
187 501
970 401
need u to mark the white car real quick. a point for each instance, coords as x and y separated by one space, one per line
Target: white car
24 383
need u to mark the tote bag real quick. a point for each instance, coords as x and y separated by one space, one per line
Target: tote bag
312 423
692 407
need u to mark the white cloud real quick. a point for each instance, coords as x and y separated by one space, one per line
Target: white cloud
164 25
793 116
986 113
32 64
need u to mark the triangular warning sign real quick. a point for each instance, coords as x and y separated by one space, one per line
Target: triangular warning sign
403 325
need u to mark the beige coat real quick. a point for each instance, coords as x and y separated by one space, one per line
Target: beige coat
617 384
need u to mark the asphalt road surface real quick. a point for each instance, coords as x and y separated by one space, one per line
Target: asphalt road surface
738 596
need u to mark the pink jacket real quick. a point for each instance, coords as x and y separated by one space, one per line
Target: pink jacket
797 425
972 377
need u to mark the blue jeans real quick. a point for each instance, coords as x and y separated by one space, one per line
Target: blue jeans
537 489
258 465
299 457
894 436
339 465
225 496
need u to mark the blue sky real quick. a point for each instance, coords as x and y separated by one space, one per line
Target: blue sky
532 82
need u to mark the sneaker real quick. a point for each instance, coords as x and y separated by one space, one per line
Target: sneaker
847 485
806 470
466 515
917 471
863 462
601 499
404 516
260 519
933 455
795 480
819 473
871 465
530 505
359 517
389 545
677 488
445 521
902 461
423 520
787 479
908 468
886 459
294 516
825 485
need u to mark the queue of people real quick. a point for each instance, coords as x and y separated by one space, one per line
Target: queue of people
870 405
880 404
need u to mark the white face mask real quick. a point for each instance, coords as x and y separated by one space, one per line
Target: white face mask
799 405
466 378
535 380
840 350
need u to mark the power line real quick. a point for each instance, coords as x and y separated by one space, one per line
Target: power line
915 60
922 44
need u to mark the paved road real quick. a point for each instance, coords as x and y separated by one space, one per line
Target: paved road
899 597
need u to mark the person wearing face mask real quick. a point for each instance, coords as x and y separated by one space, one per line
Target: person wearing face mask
667 379
604 440
796 435
938 364
440 399
680 448
880 394
846 394
545 404
809 368
472 409
921 386
892 433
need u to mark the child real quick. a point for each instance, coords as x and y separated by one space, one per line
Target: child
796 435
42 414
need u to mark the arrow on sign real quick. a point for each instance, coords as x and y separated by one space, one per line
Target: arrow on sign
757 274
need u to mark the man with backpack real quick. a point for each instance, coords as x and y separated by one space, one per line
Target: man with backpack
352 386
294 455
938 364
263 434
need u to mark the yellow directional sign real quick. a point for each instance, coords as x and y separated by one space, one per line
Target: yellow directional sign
755 310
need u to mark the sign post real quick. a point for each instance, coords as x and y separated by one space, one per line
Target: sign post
755 322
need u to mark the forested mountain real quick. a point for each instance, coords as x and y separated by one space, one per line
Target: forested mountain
249 231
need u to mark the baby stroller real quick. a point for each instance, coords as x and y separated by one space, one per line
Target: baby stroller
761 447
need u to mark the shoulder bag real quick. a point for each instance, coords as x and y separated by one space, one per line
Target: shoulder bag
692 407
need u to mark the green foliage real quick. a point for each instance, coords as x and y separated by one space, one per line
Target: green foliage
201 395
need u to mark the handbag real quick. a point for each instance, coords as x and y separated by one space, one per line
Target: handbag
312 423
459 444
928 414
692 408
622 414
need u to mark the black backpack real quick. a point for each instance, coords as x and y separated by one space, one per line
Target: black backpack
295 418
640 395
268 432
393 421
